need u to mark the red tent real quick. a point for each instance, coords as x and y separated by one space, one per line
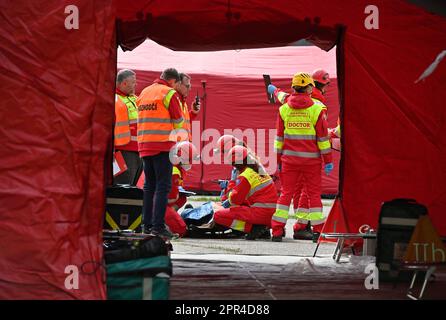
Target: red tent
235 97
57 115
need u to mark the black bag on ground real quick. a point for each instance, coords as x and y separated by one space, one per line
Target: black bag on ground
397 221
124 250
123 208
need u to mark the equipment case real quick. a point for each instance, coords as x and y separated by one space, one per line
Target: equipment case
123 208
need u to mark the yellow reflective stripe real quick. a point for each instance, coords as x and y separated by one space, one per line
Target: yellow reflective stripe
281 96
259 187
130 102
301 154
324 145
280 217
168 97
281 214
278 145
238 225
337 131
178 126
175 171
136 223
111 222
302 210
313 215
133 138
313 222
178 123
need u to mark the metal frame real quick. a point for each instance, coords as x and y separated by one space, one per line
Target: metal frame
341 239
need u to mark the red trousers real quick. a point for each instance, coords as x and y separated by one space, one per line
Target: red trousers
303 185
174 221
242 218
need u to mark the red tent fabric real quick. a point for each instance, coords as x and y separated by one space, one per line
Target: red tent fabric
235 95
57 113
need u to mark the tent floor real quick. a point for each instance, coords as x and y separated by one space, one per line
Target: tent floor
241 277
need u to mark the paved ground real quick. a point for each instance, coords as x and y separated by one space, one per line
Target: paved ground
263 247
278 278
237 269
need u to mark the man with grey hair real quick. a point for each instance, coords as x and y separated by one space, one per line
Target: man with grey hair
126 115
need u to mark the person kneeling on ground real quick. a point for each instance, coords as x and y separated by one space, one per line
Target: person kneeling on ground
251 203
182 155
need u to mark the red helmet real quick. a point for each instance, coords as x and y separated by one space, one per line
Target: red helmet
237 155
225 143
321 76
185 153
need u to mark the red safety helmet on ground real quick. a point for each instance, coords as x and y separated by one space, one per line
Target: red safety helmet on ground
226 142
185 153
321 76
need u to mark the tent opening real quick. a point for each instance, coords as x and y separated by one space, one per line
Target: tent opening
233 98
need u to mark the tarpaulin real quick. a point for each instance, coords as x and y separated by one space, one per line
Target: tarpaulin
57 113
234 97
56 126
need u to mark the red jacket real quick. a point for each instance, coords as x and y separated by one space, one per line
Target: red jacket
303 101
153 148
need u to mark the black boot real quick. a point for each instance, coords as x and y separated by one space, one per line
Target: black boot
258 232
303 234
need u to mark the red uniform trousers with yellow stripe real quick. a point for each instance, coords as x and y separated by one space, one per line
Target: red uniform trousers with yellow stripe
241 218
252 202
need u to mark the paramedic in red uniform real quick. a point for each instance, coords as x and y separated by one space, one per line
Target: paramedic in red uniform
301 142
225 143
251 202
185 153
301 203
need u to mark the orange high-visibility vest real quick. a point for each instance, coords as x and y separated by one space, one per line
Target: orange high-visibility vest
125 114
154 121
